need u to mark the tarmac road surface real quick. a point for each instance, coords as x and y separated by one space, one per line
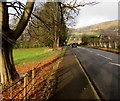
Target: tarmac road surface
103 68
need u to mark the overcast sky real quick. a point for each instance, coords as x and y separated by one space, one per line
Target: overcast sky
106 10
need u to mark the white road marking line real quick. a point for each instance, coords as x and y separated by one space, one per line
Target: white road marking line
114 64
80 47
85 49
96 53
90 51
104 56
91 85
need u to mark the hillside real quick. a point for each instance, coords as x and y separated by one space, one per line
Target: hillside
105 28
110 25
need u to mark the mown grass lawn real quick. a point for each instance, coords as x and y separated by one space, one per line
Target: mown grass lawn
29 55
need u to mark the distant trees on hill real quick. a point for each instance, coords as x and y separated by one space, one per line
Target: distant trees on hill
108 38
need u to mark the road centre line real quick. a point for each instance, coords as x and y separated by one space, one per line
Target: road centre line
85 49
89 50
103 56
114 64
97 53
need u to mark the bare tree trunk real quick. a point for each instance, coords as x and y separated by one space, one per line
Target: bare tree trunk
0 39
56 26
57 41
100 41
8 72
116 45
109 42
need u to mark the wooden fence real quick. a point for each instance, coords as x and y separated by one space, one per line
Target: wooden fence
36 84
32 85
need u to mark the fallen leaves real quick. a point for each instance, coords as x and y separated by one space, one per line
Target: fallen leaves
42 87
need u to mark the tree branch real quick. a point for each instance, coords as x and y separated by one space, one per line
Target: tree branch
24 19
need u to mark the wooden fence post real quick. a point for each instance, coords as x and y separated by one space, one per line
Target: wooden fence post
33 79
25 86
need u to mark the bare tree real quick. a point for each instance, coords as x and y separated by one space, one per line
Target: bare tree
9 38
54 18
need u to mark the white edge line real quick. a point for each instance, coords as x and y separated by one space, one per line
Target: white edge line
94 91
114 64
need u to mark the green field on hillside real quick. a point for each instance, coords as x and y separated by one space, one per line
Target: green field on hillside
79 35
89 34
29 55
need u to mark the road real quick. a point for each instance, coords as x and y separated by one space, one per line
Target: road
72 83
103 68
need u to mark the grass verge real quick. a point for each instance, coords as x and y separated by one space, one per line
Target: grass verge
31 55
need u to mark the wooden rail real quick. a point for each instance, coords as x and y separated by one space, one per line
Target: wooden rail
32 85
29 85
